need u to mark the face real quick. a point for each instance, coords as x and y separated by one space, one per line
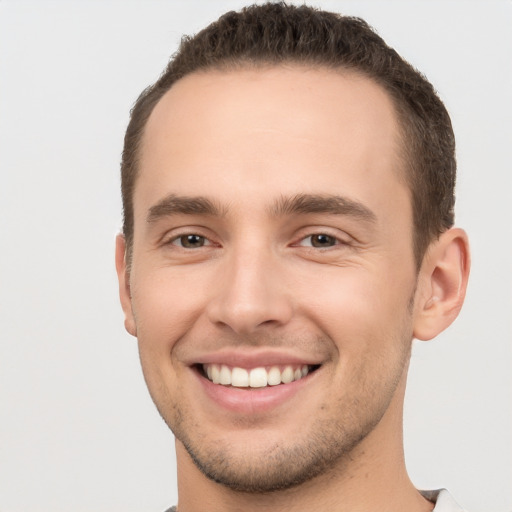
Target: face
273 271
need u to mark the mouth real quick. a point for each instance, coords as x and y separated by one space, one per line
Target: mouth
259 377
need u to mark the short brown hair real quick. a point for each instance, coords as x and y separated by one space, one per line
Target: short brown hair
276 33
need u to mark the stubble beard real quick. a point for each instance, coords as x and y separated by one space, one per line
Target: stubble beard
326 447
278 468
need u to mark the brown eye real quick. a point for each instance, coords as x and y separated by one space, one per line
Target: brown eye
191 241
322 240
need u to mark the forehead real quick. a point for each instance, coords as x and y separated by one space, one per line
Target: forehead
286 128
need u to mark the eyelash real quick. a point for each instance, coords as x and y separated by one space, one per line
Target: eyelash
333 241
206 241
179 241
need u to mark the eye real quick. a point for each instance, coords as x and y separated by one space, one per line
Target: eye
191 241
319 240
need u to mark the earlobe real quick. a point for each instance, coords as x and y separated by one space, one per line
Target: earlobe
442 284
123 277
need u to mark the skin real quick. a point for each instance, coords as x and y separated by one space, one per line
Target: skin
255 286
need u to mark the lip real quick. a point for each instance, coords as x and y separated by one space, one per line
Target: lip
252 401
254 359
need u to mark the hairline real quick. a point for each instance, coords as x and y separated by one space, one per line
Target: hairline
404 155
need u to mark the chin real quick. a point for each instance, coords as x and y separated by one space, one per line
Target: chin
259 464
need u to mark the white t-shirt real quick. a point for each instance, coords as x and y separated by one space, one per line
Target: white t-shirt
443 500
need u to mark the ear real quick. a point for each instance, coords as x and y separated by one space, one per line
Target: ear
441 284
123 276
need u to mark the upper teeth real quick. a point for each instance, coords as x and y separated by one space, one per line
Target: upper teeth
255 378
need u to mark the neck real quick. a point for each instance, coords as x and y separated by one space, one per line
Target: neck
372 477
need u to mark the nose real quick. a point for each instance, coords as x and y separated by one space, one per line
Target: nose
250 293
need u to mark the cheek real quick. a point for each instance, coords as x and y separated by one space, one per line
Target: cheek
165 308
166 304
361 310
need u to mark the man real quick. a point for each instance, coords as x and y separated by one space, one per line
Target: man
288 191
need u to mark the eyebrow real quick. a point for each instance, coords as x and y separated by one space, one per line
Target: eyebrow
175 205
300 204
319 203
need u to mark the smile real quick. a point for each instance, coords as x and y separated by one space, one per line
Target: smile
259 377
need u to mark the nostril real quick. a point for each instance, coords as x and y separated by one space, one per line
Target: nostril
248 298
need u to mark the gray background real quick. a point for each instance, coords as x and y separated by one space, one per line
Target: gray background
77 428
